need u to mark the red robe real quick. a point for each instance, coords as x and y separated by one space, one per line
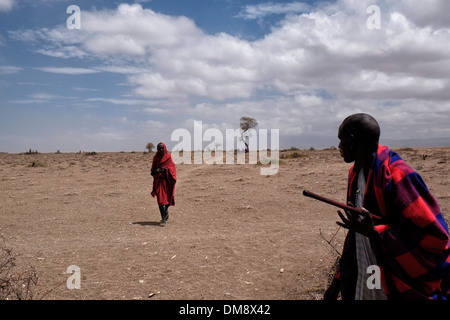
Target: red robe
164 183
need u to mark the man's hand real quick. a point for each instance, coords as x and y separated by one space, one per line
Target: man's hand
156 171
161 170
358 222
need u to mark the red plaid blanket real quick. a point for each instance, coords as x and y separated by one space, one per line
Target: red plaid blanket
413 247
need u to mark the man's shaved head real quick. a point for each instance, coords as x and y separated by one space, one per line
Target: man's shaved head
358 135
362 126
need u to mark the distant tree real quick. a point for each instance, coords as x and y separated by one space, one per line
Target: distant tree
32 152
150 146
246 124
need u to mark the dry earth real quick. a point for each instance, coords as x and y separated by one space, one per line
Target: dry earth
233 234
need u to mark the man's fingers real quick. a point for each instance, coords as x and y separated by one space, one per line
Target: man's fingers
365 212
344 219
342 225
341 216
351 216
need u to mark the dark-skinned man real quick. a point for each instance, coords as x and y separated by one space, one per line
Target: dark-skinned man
401 231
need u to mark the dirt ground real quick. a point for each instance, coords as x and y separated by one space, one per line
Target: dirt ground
233 233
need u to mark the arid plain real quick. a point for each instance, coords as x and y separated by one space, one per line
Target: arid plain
233 233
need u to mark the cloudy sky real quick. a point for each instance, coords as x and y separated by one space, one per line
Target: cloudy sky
135 71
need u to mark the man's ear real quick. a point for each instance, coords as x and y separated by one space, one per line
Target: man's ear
352 141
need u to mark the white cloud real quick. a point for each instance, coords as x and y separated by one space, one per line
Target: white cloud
110 32
37 98
433 13
155 111
317 64
127 102
68 70
262 10
117 44
43 96
6 5
122 69
66 52
9 69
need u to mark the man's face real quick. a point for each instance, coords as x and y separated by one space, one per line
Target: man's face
346 145
160 148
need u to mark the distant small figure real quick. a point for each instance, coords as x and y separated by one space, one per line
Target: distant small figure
164 178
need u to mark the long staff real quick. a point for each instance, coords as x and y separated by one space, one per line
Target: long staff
313 195
310 194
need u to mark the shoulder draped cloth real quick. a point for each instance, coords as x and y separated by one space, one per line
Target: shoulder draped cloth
412 245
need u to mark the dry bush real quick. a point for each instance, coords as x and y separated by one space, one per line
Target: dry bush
15 284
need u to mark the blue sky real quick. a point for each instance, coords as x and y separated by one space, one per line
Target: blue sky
136 71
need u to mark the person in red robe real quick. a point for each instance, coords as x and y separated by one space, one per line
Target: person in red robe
164 178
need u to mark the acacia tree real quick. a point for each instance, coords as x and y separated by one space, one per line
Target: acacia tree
150 146
246 124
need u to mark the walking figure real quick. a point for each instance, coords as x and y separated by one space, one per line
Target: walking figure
164 178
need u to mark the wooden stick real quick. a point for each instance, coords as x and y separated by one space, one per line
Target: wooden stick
310 194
